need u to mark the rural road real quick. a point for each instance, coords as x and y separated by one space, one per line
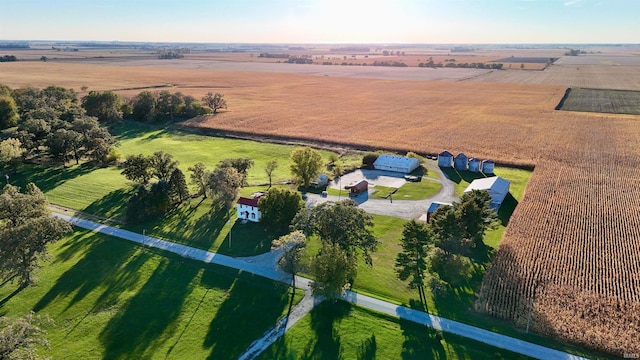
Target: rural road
262 266
405 209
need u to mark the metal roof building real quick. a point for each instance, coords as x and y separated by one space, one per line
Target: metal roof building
461 162
497 187
394 163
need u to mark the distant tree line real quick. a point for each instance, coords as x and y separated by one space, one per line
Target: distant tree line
8 58
170 55
274 56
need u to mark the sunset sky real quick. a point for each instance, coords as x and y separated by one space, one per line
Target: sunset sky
324 21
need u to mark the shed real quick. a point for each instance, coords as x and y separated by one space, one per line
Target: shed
445 159
359 187
460 162
321 181
475 165
497 187
401 164
247 208
488 166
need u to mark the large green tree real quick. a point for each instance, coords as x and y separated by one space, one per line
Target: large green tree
412 263
26 227
278 207
242 165
224 184
332 269
144 106
293 244
104 105
341 223
306 165
200 178
20 338
8 112
137 168
178 189
11 151
162 165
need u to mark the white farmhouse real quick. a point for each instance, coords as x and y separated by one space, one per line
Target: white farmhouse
497 187
394 163
247 208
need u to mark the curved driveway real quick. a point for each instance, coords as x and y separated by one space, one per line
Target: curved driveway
405 209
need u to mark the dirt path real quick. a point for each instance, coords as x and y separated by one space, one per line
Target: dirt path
436 322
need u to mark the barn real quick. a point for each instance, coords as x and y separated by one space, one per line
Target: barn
497 187
445 159
401 164
460 162
488 166
247 208
475 165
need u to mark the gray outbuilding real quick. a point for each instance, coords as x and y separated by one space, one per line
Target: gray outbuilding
401 164
488 166
461 162
475 165
497 187
445 159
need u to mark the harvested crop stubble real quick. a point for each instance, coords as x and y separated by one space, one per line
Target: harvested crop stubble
571 251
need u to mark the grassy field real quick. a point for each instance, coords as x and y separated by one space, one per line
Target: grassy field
419 190
342 331
111 299
603 101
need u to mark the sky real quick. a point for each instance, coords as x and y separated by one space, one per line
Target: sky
324 21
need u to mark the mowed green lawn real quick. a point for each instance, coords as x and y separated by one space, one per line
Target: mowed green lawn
112 299
343 331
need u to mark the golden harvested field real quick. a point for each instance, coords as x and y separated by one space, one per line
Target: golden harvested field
572 249
573 241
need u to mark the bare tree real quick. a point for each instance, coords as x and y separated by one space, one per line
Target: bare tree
215 101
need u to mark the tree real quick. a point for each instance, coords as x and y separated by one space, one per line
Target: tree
32 133
224 184
11 152
20 338
278 208
178 189
26 227
95 140
64 143
200 178
343 224
307 163
44 58
215 101
137 168
144 106
8 112
332 269
416 240
242 165
290 261
104 105
269 168
162 165
148 201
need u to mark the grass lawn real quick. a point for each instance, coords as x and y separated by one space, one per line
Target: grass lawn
111 299
342 331
420 190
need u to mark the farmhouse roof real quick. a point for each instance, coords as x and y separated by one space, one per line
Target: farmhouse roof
445 153
253 202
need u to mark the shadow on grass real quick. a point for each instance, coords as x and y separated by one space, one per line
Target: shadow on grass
148 318
107 263
458 175
49 177
506 209
327 342
248 310
247 239
421 342
113 205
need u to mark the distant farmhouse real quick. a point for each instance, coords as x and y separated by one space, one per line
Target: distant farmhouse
247 208
401 164
497 187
